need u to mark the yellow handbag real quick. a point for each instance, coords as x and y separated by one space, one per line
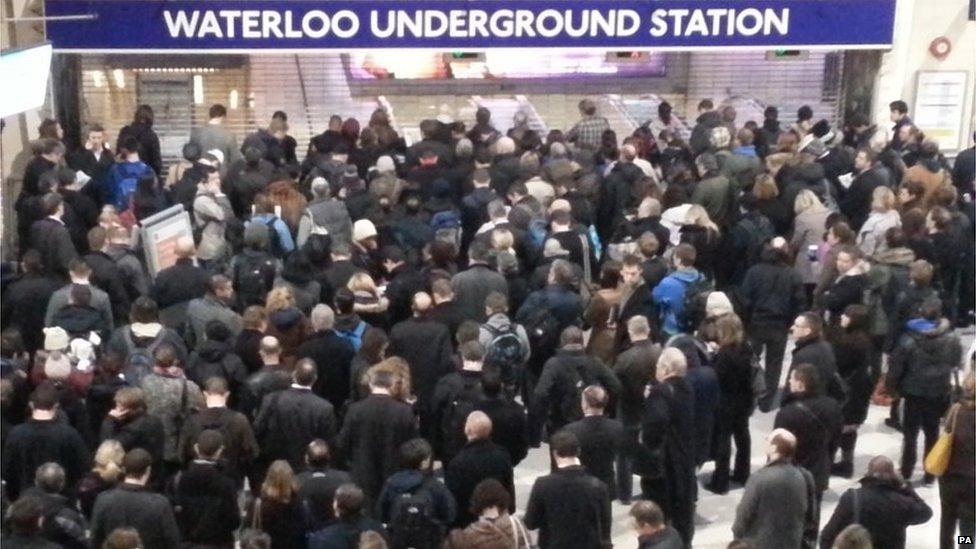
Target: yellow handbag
937 461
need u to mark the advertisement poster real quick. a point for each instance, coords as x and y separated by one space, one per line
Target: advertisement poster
160 234
940 101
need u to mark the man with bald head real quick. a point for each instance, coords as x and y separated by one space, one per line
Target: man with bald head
600 437
426 346
480 459
273 376
884 504
332 354
176 285
778 500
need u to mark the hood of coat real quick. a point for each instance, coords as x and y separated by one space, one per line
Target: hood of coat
895 256
406 481
861 268
213 351
77 319
928 328
485 533
285 319
809 173
367 303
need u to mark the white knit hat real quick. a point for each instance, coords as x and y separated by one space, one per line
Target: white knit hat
363 229
55 339
384 164
718 304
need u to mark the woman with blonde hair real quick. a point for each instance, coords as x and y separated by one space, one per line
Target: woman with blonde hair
286 322
370 305
733 367
106 472
701 232
402 389
883 216
808 234
278 509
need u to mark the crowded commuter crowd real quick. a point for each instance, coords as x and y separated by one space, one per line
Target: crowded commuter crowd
358 347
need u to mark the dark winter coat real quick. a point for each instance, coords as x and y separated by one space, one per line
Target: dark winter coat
317 488
882 507
666 538
635 369
131 505
472 286
34 443
179 283
412 481
141 431
217 359
816 423
79 320
344 534
240 444
668 440
772 293
149 151
773 510
557 393
24 305
262 383
284 521
333 356
563 303
447 430
508 426
571 510
600 439
819 354
856 202
51 238
426 346
107 276
63 524
853 350
370 439
289 420
847 289
477 461
733 366
923 360
205 502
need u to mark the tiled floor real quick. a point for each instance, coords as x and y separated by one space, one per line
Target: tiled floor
715 513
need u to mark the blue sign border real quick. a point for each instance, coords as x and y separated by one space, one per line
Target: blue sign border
145 25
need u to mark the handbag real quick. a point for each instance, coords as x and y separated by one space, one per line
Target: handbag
880 396
937 460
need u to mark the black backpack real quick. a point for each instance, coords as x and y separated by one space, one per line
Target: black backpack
542 329
759 230
578 379
456 414
412 521
253 278
695 300
274 239
504 351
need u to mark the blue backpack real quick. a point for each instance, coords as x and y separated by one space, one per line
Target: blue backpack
446 225
125 177
354 336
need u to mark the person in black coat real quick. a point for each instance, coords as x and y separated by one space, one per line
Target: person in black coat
42 438
290 419
811 348
733 366
885 505
205 499
318 483
141 130
445 310
600 437
48 157
332 355
403 281
372 432
51 238
129 424
556 398
177 285
25 301
771 295
853 349
478 460
132 505
849 286
508 418
94 159
855 203
635 298
426 346
78 317
814 419
106 274
351 522
667 467
569 507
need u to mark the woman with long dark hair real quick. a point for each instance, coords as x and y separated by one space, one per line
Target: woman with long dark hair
141 130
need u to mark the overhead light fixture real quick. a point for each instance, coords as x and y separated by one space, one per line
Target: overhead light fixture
119 76
233 99
198 89
98 78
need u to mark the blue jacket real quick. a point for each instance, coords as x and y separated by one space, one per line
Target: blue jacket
122 180
284 234
669 296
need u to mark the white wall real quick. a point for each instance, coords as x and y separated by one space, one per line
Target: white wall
917 23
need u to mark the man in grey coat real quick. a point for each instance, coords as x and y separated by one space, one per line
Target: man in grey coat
211 212
472 286
775 506
325 215
215 305
80 273
216 136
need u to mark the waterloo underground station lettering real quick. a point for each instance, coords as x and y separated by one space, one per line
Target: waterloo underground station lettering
474 23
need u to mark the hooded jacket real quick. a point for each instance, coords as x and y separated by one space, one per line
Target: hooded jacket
328 214
923 360
413 481
669 297
808 176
